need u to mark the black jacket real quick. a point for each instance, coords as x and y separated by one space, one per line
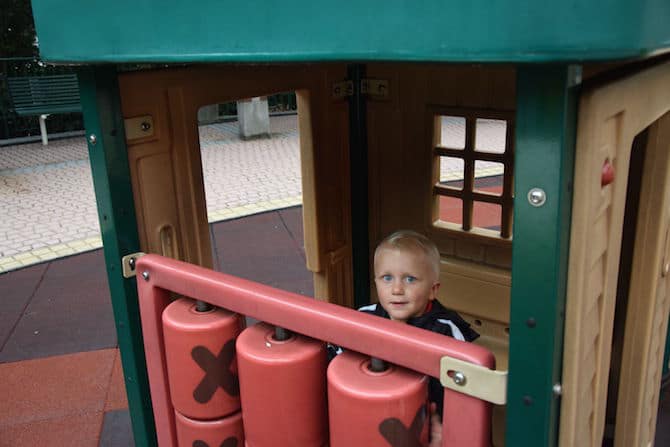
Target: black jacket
438 319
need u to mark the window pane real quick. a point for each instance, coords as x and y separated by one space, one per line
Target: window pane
452 132
489 176
451 209
490 135
486 215
451 171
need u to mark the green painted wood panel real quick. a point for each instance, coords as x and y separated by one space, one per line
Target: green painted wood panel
373 30
116 211
544 158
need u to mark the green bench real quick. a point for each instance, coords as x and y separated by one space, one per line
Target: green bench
43 96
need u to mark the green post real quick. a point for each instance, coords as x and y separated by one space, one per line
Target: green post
111 179
545 138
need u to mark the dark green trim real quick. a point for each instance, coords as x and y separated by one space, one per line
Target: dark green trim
374 30
544 151
116 211
358 159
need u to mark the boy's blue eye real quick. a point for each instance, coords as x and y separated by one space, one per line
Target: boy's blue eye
387 278
410 279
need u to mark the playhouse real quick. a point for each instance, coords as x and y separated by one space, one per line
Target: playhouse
567 279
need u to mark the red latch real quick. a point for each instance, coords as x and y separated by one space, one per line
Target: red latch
607 174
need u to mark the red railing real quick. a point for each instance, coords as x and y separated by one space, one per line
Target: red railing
466 420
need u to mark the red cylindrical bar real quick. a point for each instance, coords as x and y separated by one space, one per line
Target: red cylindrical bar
200 357
375 409
283 389
226 432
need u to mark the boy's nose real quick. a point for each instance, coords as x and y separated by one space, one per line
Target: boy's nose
397 288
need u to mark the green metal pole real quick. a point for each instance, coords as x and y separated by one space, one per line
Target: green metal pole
111 179
545 138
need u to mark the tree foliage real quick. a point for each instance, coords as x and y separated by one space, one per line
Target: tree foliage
17 30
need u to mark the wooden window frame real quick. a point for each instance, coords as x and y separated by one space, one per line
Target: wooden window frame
469 155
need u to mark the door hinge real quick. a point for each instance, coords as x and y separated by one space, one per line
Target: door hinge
342 89
128 264
374 88
139 127
474 380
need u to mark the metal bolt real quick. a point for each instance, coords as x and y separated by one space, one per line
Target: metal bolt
145 126
557 389
459 378
531 323
131 263
92 139
145 275
537 197
527 401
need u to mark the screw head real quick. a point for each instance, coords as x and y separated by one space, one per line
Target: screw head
537 197
145 126
459 378
92 139
145 275
557 389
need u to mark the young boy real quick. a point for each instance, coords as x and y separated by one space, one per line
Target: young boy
407 268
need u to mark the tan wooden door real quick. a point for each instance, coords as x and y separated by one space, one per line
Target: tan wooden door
610 117
649 298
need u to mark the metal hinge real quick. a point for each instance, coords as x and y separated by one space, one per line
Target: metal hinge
342 89
128 264
139 127
474 380
375 88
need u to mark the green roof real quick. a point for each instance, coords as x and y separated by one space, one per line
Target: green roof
89 31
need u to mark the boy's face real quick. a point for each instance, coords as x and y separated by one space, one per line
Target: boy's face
405 282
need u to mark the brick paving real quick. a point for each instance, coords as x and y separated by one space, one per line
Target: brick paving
48 203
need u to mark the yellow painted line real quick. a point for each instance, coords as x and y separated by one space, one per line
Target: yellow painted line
253 208
6 261
21 256
29 261
11 266
485 172
59 250
41 251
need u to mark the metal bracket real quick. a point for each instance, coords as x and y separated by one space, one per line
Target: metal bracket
343 89
376 88
474 380
128 264
139 127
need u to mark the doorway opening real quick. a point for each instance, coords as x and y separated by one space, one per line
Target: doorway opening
634 187
250 152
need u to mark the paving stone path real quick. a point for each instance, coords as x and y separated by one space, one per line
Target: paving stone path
48 204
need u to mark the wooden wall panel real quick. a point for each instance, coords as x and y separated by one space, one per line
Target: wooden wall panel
167 173
400 147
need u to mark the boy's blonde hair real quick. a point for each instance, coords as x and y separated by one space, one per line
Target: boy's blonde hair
404 239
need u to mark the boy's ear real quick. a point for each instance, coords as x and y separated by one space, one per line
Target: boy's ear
433 290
